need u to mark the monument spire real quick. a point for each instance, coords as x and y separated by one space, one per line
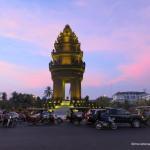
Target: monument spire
67 65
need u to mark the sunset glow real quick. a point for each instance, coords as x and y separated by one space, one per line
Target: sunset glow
114 36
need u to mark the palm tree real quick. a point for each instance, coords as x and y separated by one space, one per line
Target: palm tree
48 92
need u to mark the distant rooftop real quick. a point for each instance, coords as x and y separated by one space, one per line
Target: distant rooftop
130 92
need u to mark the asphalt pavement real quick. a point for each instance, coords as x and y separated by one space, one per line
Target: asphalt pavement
71 137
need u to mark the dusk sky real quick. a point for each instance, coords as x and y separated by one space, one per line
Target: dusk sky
114 36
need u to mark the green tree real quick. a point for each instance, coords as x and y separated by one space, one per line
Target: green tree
142 102
4 96
22 101
5 105
103 101
14 95
86 98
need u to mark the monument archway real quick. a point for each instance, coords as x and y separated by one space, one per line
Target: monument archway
67 65
67 91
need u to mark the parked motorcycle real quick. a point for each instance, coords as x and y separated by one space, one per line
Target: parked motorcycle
110 124
144 112
40 118
9 121
76 117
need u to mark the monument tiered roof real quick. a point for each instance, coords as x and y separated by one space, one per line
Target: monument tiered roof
67 40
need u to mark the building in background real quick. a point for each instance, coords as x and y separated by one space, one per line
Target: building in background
146 97
128 96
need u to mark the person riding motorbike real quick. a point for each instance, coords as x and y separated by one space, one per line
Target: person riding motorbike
105 120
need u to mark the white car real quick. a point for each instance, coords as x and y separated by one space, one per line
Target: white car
60 115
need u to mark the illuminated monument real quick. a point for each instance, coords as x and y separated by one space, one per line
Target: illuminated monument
67 65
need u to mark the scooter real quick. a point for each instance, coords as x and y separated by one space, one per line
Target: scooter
110 124
9 122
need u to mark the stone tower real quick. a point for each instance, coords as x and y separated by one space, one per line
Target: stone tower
67 65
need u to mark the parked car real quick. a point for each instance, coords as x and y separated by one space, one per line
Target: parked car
123 116
60 115
118 114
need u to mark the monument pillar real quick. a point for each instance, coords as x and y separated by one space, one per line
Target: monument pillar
76 89
58 89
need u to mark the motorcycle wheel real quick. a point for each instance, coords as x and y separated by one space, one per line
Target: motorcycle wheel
98 126
113 126
12 124
58 121
4 124
136 124
76 122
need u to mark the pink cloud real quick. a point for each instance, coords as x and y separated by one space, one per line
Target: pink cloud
23 77
132 42
19 77
145 12
138 72
132 45
81 3
93 79
121 40
139 68
16 77
17 24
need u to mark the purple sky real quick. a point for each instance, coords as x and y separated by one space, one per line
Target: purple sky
114 36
